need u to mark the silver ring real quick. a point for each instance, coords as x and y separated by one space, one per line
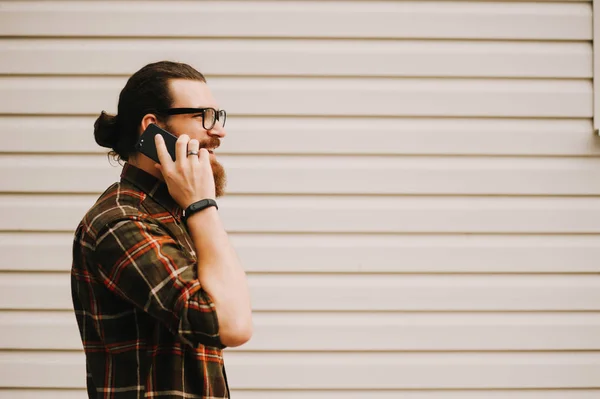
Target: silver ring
192 153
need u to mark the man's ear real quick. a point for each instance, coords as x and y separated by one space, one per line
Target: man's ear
147 120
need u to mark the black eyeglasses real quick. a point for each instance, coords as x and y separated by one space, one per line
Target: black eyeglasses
209 115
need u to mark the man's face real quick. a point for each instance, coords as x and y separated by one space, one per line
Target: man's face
196 94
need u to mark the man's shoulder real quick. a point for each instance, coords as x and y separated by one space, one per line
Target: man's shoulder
119 202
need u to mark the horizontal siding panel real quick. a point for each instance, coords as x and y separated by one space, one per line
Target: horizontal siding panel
12 393
376 371
412 19
340 394
349 332
358 293
325 175
322 96
354 253
30 134
296 57
342 214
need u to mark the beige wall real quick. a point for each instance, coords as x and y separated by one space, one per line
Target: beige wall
414 186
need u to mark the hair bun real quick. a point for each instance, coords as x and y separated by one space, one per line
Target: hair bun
106 131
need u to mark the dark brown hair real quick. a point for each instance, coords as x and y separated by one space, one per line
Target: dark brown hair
146 92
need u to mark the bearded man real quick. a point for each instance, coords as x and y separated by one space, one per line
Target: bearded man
158 290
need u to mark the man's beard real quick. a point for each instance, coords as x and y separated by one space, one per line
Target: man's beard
220 177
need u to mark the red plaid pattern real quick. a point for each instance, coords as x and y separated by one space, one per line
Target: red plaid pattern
147 326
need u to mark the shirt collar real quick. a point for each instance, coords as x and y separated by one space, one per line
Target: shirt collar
152 186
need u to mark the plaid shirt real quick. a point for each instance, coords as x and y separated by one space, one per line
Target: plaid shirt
147 326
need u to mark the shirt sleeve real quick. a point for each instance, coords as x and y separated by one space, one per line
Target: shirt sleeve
142 263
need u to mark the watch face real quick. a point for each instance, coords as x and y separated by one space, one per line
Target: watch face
197 206
200 204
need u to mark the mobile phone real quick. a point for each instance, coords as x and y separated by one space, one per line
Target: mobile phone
147 146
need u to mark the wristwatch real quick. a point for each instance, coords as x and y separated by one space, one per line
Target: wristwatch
197 207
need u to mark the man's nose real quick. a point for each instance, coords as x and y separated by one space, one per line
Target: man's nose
218 130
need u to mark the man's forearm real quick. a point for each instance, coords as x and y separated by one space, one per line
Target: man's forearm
222 276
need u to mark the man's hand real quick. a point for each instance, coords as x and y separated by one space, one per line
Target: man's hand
189 178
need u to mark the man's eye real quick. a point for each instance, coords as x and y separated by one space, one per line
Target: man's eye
198 115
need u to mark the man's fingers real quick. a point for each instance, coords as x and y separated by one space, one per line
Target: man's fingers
194 145
204 158
181 147
161 149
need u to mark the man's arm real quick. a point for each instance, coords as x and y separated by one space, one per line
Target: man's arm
190 179
222 276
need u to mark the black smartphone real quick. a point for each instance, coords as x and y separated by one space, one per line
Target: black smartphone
147 146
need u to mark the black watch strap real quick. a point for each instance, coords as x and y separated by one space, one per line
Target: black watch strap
197 207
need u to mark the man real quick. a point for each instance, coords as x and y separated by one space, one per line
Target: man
159 292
